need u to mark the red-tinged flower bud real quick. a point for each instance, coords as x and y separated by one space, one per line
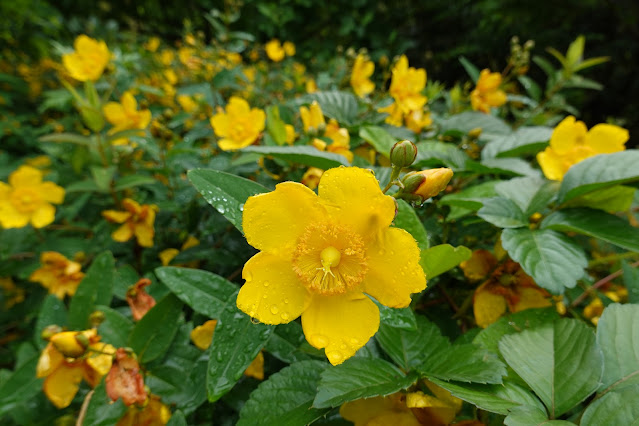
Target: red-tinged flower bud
427 183
71 344
403 153
125 381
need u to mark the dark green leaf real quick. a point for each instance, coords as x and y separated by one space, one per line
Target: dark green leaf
116 328
531 194
560 362
503 166
152 335
286 398
600 171
379 138
464 363
342 106
403 318
95 289
532 88
595 223
133 181
236 343
52 312
301 154
444 257
502 213
20 386
205 292
618 407
177 419
360 378
613 199
408 220
532 416
471 70
553 260
226 192
284 343
467 121
102 411
523 141
631 281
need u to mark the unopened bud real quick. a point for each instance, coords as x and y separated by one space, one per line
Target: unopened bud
71 344
403 154
427 183
96 318
50 331
474 133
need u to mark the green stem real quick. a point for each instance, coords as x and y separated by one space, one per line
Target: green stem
393 179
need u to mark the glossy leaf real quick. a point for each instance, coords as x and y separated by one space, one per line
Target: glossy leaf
502 213
116 328
52 312
522 141
444 257
301 154
102 411
379 138
466 121
408 220
532 416
531 194
95 289
20 386
464 363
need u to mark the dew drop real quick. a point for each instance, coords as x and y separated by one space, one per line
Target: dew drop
266 283
335 357
286 301
274 310
319 341
255 320
285 316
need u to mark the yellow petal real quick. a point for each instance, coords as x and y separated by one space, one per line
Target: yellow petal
44 215
116 216
567 134
272 293
123 233
607 138
167 255
352 197
404 418
51 192
25 176
49 360
237 107
488 307
220 123
10 217
114 113
144 234
551 164
479 265
531 297
129 104
230 144
394 271
362 410
256 369
341 324
100 358
62 384
274 221
202 335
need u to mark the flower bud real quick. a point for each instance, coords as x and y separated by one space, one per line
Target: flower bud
403 154
427 183
50 331
474 133
71 344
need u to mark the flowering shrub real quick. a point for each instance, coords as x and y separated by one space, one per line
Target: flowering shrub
212 232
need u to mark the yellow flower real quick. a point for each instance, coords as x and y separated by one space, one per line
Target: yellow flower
187 103
89 59
487 93
154 413
595 308
310 86
417 120
360 76
321 255
312 177
274 50
571 142
313 118
341 140
167 255
406 86
26 199
507 287
125 115
68 358
289 48
290 134
58 274
136 220
152 44
239 126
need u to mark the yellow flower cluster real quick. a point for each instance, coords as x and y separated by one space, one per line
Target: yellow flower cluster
276 51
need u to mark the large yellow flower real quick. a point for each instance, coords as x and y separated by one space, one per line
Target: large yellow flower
125 115
239 126
68 357
136 220
321 255
487 93
360 76
89 59
407 85
571 142
26 199
58 274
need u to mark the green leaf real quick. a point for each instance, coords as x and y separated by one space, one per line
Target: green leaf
575 51
619 407
631 281
614 199
524 140
553 260
236 343
83 186
227 193
494 398
532 416
469 199
532 88
594 223
359 378
464 363
52 312
286 398
153 334
103 176
560 362
275 125
102 411
466 121
116 328
444 257
301 154
403 318
67 137
471 70
513 323
284 344
205 292
600 171
124 134
132 181
409 347
408 220
531 194
177 419
618 338
503 166
20 386
431 154
95 289
342 106
502 213
379 138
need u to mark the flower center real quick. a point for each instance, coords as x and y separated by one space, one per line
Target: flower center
25 200
330 259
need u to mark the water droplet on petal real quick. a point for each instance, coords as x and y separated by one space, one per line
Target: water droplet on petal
318 341
274 310
285 316
335 357
266 283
